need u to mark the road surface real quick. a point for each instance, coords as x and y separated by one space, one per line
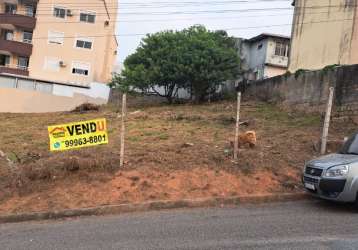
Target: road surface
287 225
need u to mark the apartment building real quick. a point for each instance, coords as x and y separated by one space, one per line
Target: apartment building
264 56
60 41
324 33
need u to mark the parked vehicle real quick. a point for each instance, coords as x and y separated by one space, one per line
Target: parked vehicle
335 176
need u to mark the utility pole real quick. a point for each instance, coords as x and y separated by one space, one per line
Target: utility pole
236 143
124 107
326 121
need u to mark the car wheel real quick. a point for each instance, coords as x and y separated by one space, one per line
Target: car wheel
356 203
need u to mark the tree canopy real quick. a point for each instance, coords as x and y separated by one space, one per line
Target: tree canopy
194 59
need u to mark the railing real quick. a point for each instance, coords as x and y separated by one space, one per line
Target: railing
21 21
14 12
14 69
27 41
15 47
14 66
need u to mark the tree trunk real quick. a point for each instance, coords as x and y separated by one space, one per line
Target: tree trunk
169 99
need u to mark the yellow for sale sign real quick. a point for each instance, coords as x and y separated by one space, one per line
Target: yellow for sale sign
78 135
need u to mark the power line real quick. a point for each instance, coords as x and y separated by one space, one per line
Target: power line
178 19
168 4
233 28
198 12
185 19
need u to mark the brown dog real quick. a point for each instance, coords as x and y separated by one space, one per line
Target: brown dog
247 138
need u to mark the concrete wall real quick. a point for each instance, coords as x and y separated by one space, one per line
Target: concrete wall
324 33
22 95
309 90
25 101
95 90
272 71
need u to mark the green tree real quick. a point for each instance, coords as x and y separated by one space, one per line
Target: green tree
194 59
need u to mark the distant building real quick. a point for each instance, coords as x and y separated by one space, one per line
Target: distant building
63 48
264 56
62 41
324 33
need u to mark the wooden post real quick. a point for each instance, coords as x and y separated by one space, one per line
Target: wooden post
326 121
236 143
124 107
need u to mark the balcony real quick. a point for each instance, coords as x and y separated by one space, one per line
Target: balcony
17 48
23 1
14 71
10 21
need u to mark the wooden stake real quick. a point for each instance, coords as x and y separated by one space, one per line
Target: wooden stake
124 107
236 143
326 121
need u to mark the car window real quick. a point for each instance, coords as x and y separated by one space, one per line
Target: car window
351 146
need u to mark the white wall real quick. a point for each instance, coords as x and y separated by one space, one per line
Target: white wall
271 58
95 90
23 95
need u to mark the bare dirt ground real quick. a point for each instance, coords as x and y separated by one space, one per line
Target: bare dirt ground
172 152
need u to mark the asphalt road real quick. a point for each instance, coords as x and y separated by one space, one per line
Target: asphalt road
288 225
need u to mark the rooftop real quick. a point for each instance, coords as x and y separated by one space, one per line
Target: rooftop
267 35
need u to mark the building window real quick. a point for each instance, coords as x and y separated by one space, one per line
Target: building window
27 37
9 35
23 62
87 17
52 64
56 37
85 43
59 12
4 60
281 49
10 8
80 68
259 46
29 10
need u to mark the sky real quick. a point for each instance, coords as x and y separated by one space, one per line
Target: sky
240 18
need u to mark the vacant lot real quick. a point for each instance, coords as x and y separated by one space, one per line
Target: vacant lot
172 152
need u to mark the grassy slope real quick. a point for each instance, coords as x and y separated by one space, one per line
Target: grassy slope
158 164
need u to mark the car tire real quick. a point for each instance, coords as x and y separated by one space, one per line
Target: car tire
356 203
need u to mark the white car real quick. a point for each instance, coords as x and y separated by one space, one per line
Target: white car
335 176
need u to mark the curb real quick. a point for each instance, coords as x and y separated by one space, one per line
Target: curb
153 205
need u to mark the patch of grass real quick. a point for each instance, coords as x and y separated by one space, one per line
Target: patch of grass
110 131
133 138
216 136
186 117
269 112
12 156
273 114
149 133
192 131
307 120
43 145
163 137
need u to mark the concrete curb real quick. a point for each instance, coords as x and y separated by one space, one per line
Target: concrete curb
153 205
